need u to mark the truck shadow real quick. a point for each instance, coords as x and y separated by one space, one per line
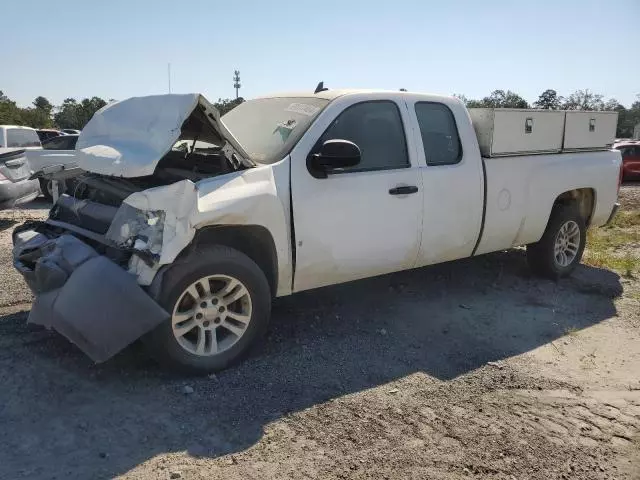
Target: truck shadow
59 410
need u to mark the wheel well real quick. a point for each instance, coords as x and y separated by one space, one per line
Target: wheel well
254 241
583 198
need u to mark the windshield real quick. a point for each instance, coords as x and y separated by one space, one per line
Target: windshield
268 128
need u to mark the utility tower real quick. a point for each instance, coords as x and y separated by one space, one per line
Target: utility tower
236 81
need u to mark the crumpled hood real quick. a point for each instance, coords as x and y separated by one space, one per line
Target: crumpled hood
128 138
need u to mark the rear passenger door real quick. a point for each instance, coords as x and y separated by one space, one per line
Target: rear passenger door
356 223
452 178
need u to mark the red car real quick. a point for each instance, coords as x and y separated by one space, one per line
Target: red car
630 159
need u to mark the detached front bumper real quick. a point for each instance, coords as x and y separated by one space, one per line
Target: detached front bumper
81 294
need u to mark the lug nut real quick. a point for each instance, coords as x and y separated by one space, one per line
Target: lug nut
199 316
203 305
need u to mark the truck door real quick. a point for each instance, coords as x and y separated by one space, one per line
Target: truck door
452 178
364 220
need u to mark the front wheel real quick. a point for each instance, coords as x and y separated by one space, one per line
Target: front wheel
560 249
219 304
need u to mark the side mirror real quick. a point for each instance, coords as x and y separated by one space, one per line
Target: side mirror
333 154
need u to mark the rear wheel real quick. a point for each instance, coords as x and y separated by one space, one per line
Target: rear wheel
219 305
560 249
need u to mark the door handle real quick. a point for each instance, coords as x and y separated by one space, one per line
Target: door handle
404 190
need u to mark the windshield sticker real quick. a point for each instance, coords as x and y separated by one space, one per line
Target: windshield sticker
302 108
285 128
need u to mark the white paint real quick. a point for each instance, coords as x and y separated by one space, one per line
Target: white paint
504 199
502 131
453 194
257 196
128 138
578 134
347 226
535 182
38 159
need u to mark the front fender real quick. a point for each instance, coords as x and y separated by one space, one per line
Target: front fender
250 197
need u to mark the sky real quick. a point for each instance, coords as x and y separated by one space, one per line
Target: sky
122 48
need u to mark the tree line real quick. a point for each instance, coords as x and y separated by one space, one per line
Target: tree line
550 100
75 114
71 114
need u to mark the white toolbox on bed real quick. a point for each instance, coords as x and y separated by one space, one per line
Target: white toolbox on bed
589 130
511 131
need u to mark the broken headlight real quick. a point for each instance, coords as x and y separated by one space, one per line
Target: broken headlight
138 230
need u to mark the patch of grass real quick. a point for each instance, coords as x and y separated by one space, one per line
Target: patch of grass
625 219
628 265
615 247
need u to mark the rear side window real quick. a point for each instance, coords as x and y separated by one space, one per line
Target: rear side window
439 133
376 127
22 137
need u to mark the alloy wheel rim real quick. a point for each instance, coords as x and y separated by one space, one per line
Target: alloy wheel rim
567 243
211 315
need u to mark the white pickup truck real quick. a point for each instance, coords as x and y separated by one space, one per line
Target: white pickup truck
187 247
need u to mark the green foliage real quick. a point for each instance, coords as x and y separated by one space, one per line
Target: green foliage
549 100
36 118
497 99
76 115
41 103
9 111
227 104
583 100
502 99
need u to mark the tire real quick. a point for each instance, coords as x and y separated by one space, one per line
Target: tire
541 256
216 264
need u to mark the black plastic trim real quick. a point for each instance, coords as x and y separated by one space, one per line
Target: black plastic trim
484 207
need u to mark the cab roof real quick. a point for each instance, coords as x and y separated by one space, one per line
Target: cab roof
331 94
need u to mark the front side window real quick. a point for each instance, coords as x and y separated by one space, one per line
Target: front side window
376 128
439 133
22 138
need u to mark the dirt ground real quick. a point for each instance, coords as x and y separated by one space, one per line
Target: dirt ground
472 369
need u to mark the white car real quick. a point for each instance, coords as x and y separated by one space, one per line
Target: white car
186 248
15 186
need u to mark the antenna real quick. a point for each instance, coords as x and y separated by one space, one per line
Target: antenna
169 75
236 81
320 88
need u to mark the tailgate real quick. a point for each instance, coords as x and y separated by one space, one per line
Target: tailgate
14 166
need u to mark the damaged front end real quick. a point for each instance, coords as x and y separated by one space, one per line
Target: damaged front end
125 213
80 293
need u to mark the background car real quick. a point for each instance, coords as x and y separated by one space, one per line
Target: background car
630 151
15 136
47 133
57 150
15 186
62 142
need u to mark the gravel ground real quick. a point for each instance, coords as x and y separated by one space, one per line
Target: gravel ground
471 369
